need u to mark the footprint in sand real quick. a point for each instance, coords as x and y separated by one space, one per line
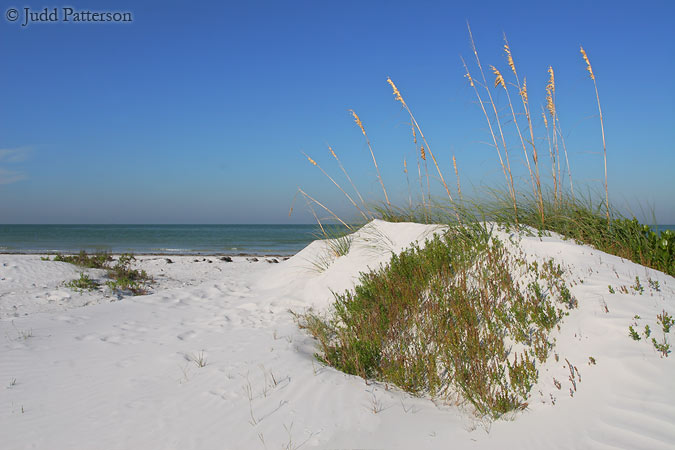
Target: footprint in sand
187 335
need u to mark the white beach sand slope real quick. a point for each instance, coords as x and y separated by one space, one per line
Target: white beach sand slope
126 374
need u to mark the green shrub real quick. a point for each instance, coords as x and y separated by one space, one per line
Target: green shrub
83 283
122 276
441 317
98 260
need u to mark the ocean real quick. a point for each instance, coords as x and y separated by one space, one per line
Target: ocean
161 239
282 240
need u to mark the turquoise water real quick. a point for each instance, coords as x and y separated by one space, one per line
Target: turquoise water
163 239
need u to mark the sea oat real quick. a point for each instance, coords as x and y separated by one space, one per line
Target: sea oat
588 63
550 91
499 80
602 124
523 91
358 121
370 147
397 94
412 119
509 58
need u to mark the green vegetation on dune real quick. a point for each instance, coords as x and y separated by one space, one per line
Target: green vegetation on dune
123 278
446 318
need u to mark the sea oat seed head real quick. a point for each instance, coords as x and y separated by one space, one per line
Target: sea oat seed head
545 120
588 64
332 152
358 121
397 94
468 75
551 80
423 154
550 90
311 160
499 78
509 58
523 91
405 166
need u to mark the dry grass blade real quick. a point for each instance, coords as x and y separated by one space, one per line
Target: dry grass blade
602 124
350 180
407 180
459 187
553 148
307 196
336 184
363 130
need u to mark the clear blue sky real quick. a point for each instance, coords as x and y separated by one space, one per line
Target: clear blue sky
197 112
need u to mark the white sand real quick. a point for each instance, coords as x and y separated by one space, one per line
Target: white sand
86 371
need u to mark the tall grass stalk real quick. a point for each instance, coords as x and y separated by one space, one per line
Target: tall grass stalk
523 94
602 124
314 163
509 178
567 161
522 91
370 147
315 201
459 186
473 83
399 98
350 179
407 180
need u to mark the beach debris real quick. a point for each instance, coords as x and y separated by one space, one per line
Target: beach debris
168 260
226 259
254 259
273 261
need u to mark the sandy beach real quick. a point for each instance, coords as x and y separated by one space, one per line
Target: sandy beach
212 358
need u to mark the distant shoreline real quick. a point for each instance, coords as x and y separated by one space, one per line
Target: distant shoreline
231 255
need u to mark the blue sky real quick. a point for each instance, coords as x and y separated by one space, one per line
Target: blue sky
197 112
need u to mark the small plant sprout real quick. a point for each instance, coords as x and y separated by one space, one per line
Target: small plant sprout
637 287
84 283
591 361
633 334
375 403
12 383
647 331
662 347
654 284
665 320
23 334
611 289
199 359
